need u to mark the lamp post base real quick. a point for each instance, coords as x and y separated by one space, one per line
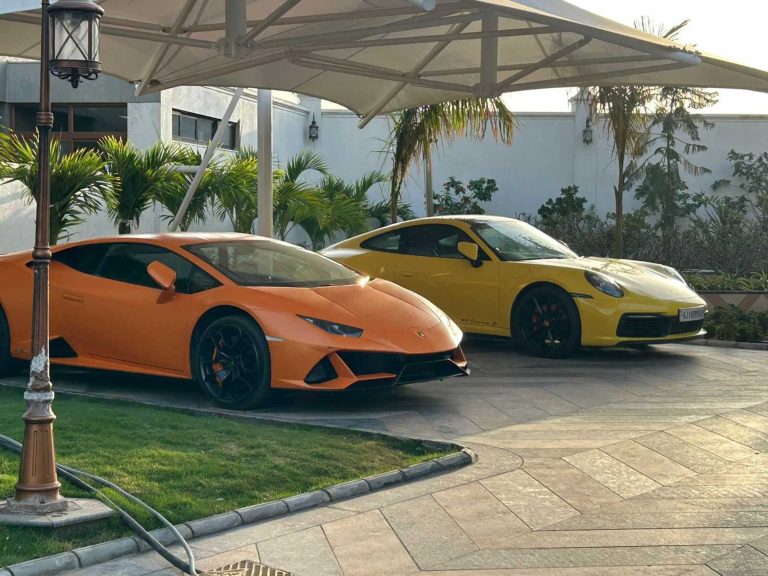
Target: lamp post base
36 505
79 513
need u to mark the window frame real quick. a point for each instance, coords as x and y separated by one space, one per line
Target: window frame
70 138
482 254
226 144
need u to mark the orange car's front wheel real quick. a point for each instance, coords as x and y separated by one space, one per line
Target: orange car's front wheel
232 363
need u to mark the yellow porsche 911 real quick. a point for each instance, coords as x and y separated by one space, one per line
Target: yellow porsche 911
501 276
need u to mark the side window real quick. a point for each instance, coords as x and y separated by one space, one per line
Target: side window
389 242
84 259
128 263
436 241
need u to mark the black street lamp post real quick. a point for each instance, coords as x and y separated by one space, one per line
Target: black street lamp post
69 42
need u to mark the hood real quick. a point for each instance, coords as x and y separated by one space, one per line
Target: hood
366 304
641 278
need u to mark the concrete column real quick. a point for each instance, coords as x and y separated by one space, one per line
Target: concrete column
264 147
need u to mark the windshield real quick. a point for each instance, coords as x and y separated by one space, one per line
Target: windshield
515 240
265 263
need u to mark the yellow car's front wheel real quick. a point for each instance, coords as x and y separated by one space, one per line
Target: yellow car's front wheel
546 321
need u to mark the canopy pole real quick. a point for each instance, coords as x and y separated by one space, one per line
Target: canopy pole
207 157
489 56
264 151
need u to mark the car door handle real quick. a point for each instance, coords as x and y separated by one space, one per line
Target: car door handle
72 297
406 273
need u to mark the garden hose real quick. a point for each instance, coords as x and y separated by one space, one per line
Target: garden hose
74 476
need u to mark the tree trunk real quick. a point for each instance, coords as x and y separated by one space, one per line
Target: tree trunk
429 196
393 197
618 191
124 227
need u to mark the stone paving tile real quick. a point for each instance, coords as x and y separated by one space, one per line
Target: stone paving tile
519 411
482 517
305 552
757 464
572 557
545 539
727 491
736 432
576 488
366 545
648 462
743 562
484 414
261 531
587 571
530 500
546 401
711 442
611 473
750 419
576 396
665 519
683 452
427 531
402 493
570 424
725 478
229 557
640 505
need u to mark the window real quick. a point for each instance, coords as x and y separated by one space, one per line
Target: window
389 242
264 263
75 125
127 262
197 129
84 259
438 240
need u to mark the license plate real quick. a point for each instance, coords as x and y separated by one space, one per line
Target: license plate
691 314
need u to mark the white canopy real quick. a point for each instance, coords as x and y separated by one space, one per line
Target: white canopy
376 56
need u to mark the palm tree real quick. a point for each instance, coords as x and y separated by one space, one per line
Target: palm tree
235 189
348 208
624 111
77 180
297 203
140 177
416 130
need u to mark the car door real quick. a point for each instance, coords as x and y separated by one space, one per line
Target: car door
113 309
432 266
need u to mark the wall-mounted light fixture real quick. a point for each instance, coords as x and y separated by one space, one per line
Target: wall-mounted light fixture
586 134
314 130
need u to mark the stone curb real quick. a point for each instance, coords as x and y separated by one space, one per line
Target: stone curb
106 551
726 344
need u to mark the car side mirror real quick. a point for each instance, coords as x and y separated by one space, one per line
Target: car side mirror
163 275
471 252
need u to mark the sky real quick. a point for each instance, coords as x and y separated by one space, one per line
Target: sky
735 30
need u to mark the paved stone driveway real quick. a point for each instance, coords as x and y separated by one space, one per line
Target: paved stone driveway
612 463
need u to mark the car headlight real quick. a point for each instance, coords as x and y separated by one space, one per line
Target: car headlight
334 328
604 284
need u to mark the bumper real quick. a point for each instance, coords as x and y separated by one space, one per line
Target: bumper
614 322
360 369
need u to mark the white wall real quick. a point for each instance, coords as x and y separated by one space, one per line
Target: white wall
547 154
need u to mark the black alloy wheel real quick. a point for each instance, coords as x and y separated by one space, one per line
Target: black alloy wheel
547 322
232 363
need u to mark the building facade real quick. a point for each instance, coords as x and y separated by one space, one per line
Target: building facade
549 151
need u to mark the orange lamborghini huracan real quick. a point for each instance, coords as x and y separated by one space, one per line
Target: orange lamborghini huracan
239 314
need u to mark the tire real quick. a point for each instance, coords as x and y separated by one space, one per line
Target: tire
547 322
231 363
7 364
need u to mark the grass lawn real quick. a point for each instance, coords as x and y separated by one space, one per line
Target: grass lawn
187 466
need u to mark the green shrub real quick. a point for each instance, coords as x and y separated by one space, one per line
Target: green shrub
728 282
734 324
